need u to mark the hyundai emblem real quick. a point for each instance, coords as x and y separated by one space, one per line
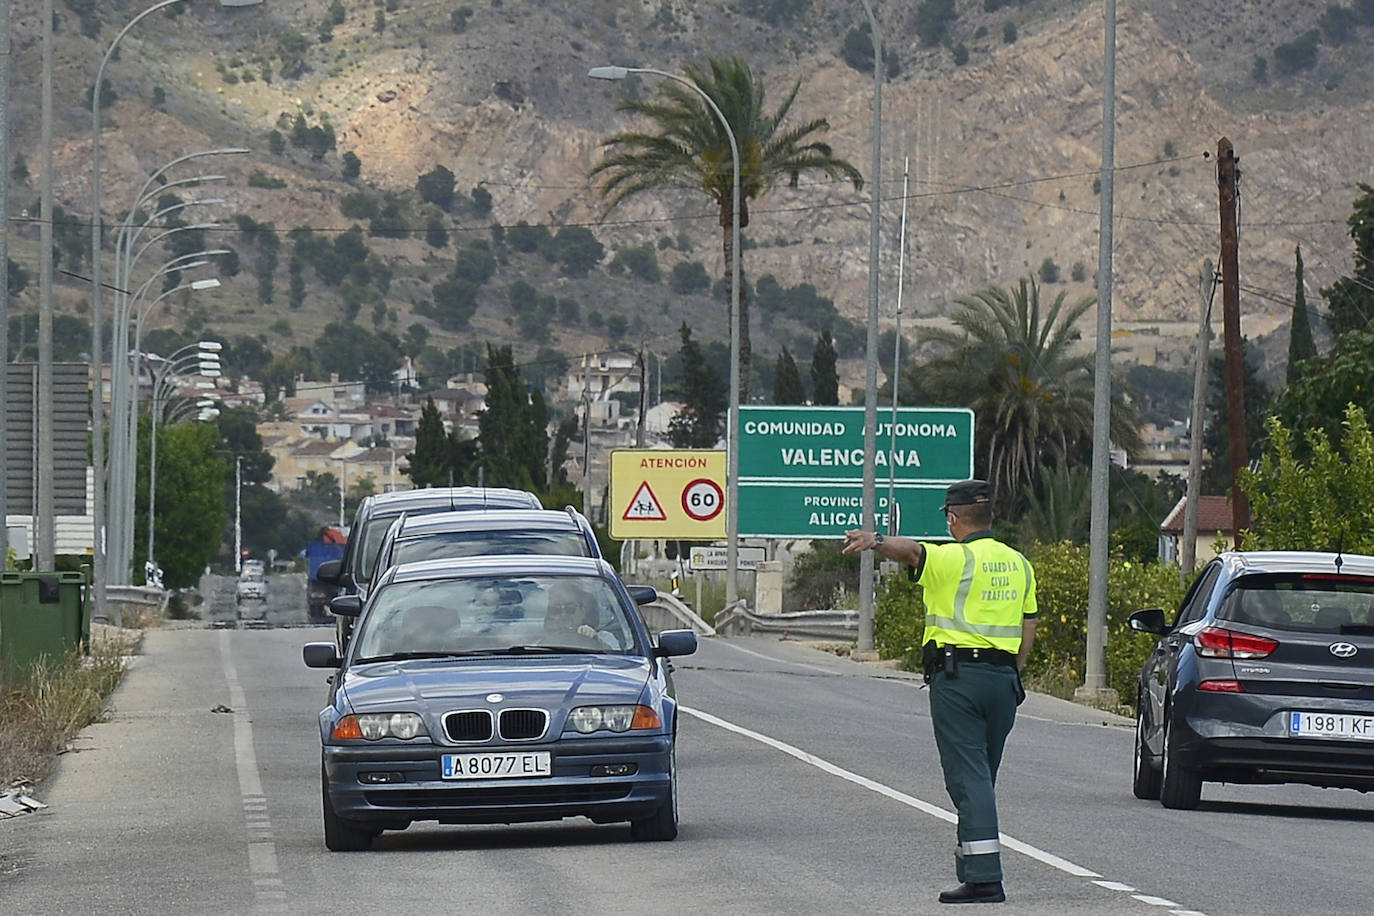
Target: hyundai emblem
1343 649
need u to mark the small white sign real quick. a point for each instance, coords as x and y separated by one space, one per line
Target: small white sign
715 557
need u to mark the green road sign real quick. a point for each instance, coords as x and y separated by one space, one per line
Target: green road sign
788 444
825 511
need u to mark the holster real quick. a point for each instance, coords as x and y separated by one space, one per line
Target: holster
939 658
930 660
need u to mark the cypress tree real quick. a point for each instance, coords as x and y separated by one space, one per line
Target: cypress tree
825 379
1300 345
787 383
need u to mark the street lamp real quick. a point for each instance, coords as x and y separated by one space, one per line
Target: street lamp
732 424
97 353
131 449
205 356
113 554
123 414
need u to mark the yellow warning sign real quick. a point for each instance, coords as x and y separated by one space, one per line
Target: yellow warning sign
667 493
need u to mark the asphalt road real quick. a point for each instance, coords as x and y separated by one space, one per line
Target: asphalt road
809 784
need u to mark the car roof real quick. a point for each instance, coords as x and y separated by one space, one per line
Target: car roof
398 501
508 565
497 520
1242 563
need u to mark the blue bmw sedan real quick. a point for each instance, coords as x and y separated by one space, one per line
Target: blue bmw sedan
498 690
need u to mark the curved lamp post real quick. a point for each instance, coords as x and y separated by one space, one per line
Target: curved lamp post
204 355
97 352
125 477
732 425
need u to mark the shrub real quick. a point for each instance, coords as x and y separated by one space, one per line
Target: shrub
358 205
1057 661
688 277
1049 271
641 262
1009 33
1298 54
259 179
821 576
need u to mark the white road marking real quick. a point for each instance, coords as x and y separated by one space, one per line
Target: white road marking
1153 901
911 801
261 847
784 661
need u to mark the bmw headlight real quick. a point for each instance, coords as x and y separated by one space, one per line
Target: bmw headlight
373 726
617 718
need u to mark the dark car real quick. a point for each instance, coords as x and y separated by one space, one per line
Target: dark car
353 573
445 535
1266 675
499 690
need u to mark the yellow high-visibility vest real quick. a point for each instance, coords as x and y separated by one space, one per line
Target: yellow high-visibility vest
976 594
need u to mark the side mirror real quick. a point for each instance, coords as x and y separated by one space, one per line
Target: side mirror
320 655
676 642
1150 620
329 570
643 594
346 606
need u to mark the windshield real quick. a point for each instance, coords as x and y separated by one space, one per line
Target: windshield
482 543
1316 603
483 615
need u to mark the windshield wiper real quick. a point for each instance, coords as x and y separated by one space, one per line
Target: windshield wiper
544 649
405 656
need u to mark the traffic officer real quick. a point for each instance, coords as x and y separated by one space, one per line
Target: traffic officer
980 624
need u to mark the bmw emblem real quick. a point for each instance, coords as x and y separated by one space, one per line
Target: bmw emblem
497 698
1343 649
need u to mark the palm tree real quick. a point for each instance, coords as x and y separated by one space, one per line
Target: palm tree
1032 397
690 146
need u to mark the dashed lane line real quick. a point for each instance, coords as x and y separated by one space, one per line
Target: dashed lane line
925 807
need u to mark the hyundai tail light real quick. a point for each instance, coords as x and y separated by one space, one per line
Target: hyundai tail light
1215 642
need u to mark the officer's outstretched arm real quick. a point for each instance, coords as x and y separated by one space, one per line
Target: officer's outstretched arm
903 550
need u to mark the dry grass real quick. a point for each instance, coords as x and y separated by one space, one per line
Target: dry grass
44 707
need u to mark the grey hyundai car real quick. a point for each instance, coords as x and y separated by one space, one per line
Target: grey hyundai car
1265 675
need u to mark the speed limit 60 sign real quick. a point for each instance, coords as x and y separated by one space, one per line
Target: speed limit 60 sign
667 493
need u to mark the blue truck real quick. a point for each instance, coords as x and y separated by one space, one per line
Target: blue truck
328 545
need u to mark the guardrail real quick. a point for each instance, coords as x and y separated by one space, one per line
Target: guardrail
834 624
134 600
668 612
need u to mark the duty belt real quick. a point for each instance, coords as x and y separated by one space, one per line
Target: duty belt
988 656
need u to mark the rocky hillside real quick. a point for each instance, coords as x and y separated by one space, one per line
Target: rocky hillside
1001 124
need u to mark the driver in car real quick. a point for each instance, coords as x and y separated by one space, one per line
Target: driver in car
567 616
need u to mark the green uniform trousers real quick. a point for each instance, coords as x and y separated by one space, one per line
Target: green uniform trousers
973 713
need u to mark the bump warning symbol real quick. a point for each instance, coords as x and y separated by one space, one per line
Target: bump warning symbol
644 507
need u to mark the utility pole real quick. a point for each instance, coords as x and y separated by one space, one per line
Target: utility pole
1095 665
4 268
1228 179
238 514
44 546
1188 560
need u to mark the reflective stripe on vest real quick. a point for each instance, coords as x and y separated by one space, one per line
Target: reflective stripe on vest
958 623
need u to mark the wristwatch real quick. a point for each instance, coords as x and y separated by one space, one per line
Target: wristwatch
878 539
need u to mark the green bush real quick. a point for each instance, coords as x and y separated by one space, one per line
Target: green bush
899 619
1057 662
820 576
1061 637
258 179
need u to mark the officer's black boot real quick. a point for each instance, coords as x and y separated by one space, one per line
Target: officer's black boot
975 892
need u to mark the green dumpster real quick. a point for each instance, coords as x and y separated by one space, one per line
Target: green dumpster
41 613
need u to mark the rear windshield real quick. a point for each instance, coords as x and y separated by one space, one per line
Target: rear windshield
1312 603
484 543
